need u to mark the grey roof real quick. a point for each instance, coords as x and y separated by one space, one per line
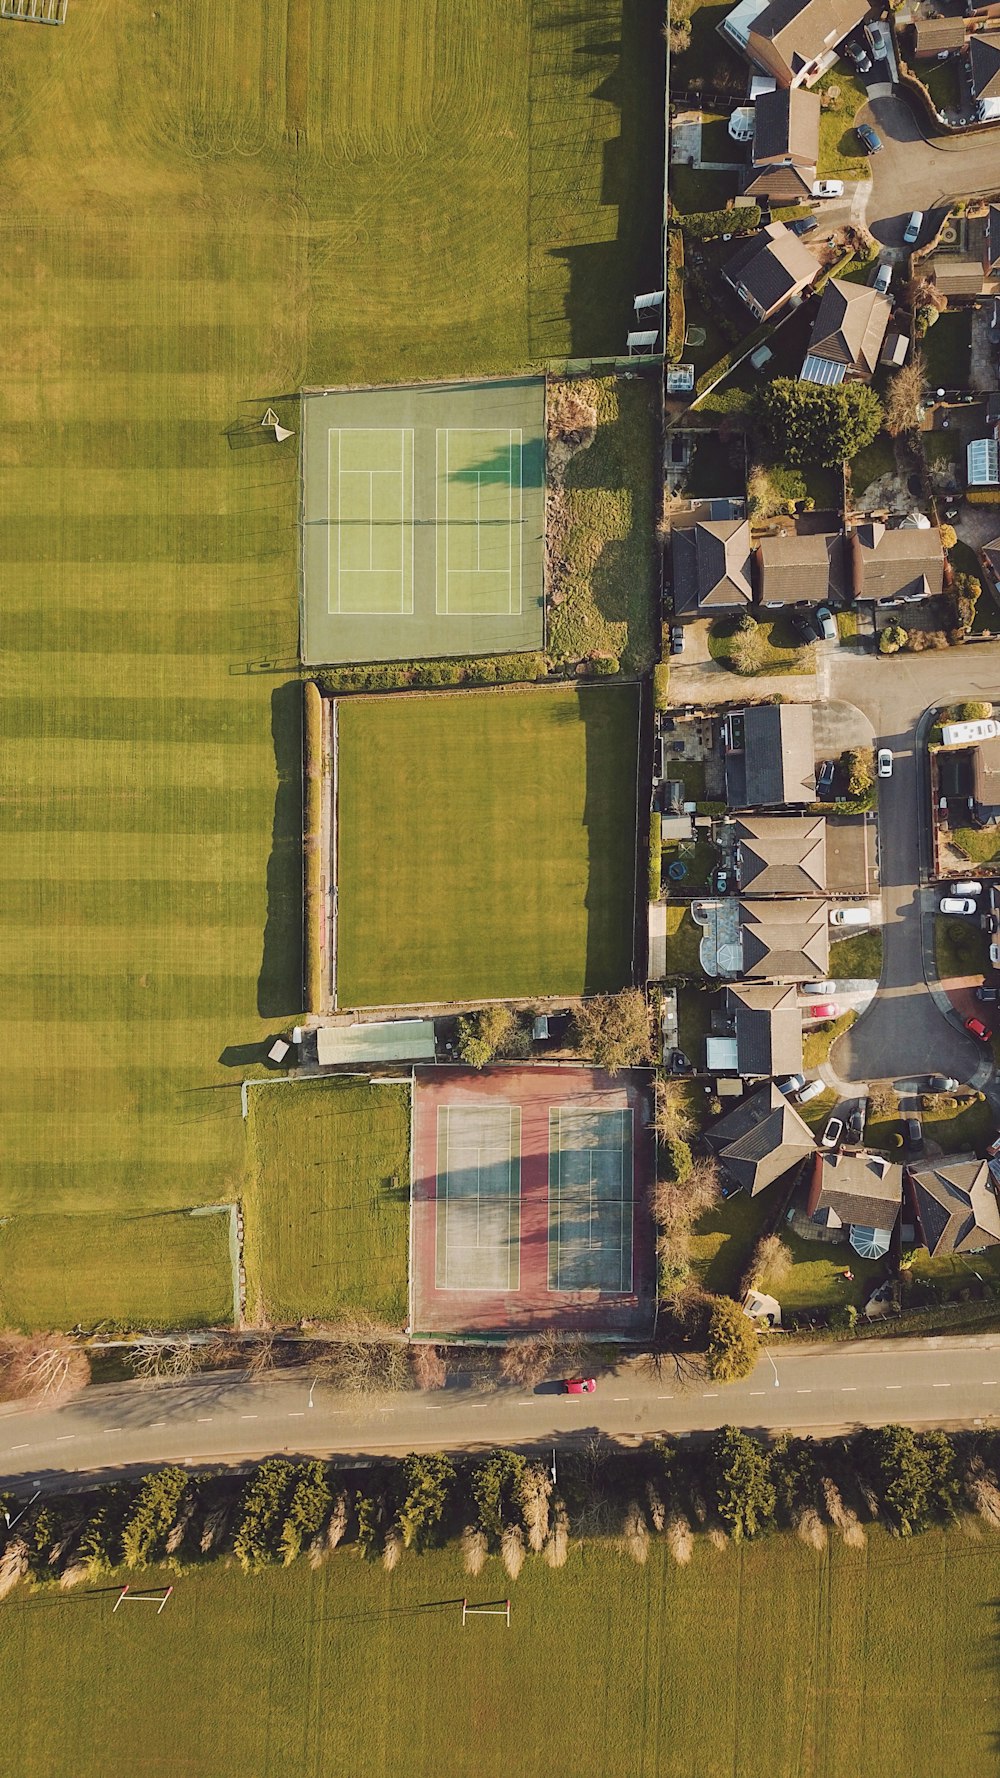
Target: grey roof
850 325
767 1022
777 761
772 265
786 127
855 1189
956 1206
711 564
893 564
785 941
984 64
760 1139
800 30
986 777
782 854
794 566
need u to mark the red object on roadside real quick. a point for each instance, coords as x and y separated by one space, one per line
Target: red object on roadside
978 1029
580 1385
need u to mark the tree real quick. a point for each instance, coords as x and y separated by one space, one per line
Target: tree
426 1483
496 1485
965 591
812 424
892 638
673 1116
482 1035
858 765
260 1513
44 1369
152 1514
733 1347
158 1360
913 1474
677 1160
614 1030
678 26
974 710
771 1262
903 397
308 1509
948 535
743 1485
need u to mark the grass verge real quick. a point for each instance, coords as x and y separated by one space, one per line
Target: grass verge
959 947
842 96
817 1044
858 958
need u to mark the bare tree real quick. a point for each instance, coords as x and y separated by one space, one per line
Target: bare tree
528 1361
673 1119
771 1261
44 1369
903 397
262 1357
365 1360
429 1366
158 1361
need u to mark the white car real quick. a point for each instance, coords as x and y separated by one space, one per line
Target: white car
832 1133
828 188
885 762
911 232
965 888
883 278
850 916
811 1090
957 904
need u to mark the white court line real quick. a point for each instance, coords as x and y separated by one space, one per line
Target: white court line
404 435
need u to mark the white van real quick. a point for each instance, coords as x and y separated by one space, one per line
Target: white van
850 917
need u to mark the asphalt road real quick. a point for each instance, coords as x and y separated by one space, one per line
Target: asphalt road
912 173
225 1419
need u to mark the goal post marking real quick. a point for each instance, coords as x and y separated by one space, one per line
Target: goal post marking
157 1597
496 1608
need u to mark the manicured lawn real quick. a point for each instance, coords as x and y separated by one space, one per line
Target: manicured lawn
699 859
946 349
694 1014
684 938
609 580
724 1239
327 1200
131 1272
876 460
816 1111
959 946
941 447
884 1664
690 773
772 648
957 1268
818 1040
694 188
206 207
941 81
840 154
486 844
858 958
816 1278
969 1127
981 844
716 142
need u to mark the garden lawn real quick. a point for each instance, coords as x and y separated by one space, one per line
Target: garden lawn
942 82
694 1017
204 207
486 845
772 648
876 460
684 937
946 348
816 1277
969 1127
694 188
327 1200
959 946
723 1240
981 844
840 152
958 1269
605 521
858 958
129 1272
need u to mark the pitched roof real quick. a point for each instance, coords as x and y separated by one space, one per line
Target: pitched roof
850 325
956 1206
781 854
772 265
991 236
760 1139
992 553
984 64
800 30
933 35
767 1021
786 127
784 941
711 563
857 1190
795 566
894 564
956 274
776 761
986 775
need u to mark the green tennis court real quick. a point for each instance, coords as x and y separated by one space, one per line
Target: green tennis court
478 1197
423 521
590 1198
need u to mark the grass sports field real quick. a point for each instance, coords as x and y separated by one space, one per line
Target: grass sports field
848 1664
205 208
485 844
327 1200
159 1270
423 521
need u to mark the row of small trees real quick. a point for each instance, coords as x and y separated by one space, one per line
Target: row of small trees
613 1030
507 1505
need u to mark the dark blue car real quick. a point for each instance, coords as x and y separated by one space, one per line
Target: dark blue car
867 137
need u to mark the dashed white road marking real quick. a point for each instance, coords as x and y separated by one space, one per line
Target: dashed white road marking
65 1438
110 1429
940 1385
204 1419
249 1416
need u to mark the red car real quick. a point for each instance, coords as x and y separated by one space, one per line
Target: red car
979 1030
824 1009
580 1385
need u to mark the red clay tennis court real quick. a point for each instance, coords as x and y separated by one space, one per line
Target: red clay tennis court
530 1202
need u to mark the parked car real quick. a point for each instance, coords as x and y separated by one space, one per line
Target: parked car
818 987
976 1028
824 1009
803 225
828 188
987 996
870 140
804 625
856 1124
957 904
579 1385
826 623
941 1083
790 1083
811 1090
885 762
970 888
911 233
677 639
832 1133
850 916
824 779
878 39
857 54
883 278
913 1132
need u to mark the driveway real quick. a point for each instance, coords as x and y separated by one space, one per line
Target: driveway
912 173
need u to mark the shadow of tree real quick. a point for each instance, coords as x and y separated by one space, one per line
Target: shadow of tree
279 984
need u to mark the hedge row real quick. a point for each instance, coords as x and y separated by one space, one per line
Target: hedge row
709 225
676 314
496 669
723 365
312 761
655 855
661 685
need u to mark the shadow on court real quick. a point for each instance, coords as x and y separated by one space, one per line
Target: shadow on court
279 984
511 465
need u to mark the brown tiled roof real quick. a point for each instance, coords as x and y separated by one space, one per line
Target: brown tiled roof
850 325
800 30
956 1206
795 566
782 854
855 1190
786 127
772 265
893 564
785 941
767 1021
778 760
986 776
711 563
761 1138
933 35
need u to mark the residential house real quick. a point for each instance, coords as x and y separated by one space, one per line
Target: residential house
757 1033
780 854
964 262
969 777
795 568
888 566
711 563
793 40
760 1139
857 1193
984 73
848 334
785 146
955 1205
769 268
783 941
770 756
